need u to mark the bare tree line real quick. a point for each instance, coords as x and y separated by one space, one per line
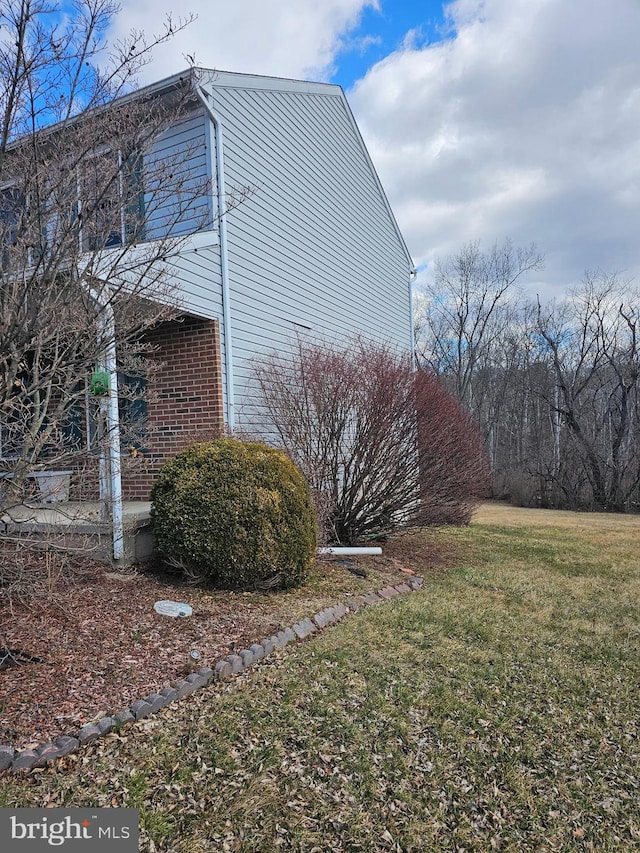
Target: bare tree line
555 386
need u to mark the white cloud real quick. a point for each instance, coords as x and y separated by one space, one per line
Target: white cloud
287 39
525 123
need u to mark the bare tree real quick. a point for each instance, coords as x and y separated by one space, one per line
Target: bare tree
592 346
93 202
471 330
465 315
555 387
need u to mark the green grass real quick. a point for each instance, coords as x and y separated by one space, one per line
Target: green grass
495 710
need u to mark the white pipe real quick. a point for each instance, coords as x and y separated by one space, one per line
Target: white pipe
345 552
107 325
113 440
224 254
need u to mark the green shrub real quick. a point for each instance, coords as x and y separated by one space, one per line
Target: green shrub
236 514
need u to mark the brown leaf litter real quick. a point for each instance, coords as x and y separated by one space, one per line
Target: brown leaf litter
102 646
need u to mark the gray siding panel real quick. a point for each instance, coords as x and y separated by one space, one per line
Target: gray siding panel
198 274
182 204
313 250
314 247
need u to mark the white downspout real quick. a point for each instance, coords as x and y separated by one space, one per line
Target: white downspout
107 326
224 256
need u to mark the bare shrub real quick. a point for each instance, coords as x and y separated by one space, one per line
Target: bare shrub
454 466
381 446
29 574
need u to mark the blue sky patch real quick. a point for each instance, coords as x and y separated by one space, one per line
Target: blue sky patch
384 31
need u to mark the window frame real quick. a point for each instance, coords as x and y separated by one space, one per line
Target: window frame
131 206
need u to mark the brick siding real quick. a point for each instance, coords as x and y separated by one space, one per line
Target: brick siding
185 399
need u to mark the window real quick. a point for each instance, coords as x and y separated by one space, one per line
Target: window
16 410
133 412
26 385
23 227
20 238
11 212
109 209
98 204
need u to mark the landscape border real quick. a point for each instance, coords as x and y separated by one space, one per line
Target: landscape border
224 670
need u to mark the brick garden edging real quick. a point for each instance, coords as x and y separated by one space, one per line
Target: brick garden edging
224 669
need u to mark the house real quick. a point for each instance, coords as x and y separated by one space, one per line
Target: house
288 233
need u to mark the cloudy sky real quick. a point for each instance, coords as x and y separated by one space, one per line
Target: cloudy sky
485 119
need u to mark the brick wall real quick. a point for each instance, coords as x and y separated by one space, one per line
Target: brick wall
185 399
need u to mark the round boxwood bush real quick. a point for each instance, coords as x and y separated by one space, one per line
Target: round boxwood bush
237 514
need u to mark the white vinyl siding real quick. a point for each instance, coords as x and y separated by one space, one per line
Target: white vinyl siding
186 206
314 247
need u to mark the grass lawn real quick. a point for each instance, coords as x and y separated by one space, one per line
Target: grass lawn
495 710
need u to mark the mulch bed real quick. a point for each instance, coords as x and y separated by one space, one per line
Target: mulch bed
102 646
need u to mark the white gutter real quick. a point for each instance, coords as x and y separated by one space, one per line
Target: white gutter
355 552
224 256
111 488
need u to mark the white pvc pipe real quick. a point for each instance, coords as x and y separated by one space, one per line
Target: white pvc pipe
355 552
224 256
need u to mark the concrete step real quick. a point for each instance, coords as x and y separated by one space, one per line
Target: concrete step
81 527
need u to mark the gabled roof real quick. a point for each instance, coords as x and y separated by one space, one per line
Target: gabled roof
232 79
